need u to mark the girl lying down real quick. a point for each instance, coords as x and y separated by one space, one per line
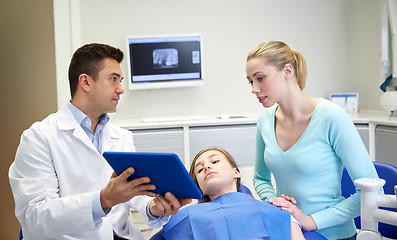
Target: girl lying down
228 214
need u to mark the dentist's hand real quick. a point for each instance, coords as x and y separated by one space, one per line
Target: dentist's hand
307 222
167 205
119 190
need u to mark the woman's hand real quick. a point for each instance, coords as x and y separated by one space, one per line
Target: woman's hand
289 204
288 198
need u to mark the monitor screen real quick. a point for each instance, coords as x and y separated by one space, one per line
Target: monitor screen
164 61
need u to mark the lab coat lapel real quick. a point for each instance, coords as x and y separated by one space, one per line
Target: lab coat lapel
66 121
109 137
82 136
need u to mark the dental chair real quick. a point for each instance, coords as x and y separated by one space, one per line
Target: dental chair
370 221
308 235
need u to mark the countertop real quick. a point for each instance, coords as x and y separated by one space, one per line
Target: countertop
363 116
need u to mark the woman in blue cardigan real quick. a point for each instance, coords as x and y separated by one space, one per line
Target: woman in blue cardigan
304 142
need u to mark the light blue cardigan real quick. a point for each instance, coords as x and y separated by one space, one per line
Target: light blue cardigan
311 170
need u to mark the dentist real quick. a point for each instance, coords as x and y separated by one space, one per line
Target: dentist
59 179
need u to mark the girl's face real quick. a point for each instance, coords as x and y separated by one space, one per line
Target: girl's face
267 81
215 175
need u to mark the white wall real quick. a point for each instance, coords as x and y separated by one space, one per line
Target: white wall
317 28
364 61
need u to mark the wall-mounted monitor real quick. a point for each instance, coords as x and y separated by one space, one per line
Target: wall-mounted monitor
164 61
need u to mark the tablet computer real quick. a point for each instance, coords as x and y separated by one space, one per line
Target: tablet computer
165 171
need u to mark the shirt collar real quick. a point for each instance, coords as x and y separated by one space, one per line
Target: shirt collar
81 118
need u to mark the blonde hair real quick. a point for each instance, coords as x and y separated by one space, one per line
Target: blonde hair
279 54
229 158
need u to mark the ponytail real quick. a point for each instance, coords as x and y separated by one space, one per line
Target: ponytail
300 69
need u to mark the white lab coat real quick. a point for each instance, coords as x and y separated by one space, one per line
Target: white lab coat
56 172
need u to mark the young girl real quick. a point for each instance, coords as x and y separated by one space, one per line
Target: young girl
304 142
228 214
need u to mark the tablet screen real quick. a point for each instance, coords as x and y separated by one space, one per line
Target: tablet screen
165 170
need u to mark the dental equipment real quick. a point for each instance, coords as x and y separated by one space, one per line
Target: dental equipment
370 213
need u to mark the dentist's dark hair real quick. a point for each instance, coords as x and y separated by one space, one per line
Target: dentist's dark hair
88 59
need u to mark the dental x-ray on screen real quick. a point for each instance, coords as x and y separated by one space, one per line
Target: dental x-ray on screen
164 61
